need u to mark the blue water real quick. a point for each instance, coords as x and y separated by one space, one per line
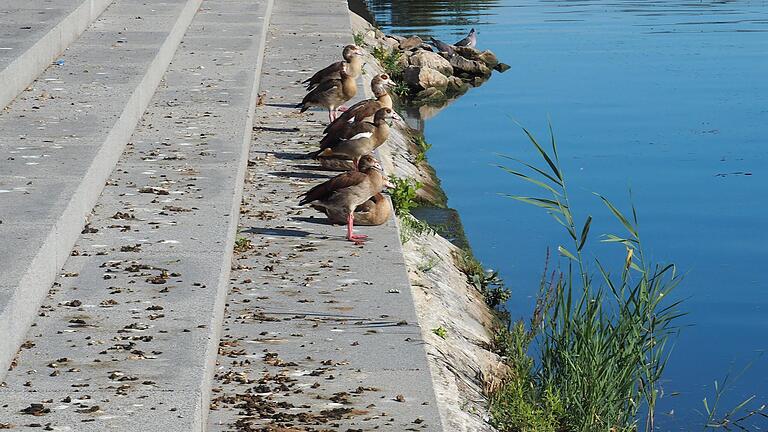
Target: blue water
669 98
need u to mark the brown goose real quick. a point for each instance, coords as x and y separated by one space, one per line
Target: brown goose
364 138
353 57
344 127
375 211
363 109
331 94
345 192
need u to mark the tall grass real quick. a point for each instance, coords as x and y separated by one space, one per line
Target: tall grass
603 332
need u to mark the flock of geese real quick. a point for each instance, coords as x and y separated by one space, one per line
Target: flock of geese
350 138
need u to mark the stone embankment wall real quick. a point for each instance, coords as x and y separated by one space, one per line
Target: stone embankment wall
461 363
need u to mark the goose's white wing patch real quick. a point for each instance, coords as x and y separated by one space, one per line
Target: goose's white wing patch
361 135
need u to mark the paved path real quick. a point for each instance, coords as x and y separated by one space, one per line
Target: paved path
319 334
127 337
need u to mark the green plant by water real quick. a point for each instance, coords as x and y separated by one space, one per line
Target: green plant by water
422 146
603 332
488 282
403 194
390 62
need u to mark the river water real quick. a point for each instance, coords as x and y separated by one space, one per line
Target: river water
668 98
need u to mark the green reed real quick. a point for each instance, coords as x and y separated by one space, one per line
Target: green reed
603 337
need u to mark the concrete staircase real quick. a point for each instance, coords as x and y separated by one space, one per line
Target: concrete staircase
34 33
174 191
124 147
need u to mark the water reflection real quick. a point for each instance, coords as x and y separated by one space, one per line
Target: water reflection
422 16
666 96
426 17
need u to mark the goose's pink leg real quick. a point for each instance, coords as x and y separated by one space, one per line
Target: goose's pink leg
358 239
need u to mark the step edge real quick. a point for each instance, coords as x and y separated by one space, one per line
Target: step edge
222 289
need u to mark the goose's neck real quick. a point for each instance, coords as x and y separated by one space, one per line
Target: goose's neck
385 100
355 66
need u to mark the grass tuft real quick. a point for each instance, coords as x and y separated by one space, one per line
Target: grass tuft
403 194
390 61
359 39
488 282
411 227
440 331
422 147
603 332
242 244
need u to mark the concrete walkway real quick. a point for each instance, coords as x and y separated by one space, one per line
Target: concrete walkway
127 336
124 173
319 334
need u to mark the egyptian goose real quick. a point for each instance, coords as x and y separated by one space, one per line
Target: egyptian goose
364 137
361 110
375 211
331 94
443 47
469 41
345 192
353 57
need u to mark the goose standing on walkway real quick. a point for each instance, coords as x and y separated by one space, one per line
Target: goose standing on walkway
353 58
364 138
331 94
375 211
469 41
347 191
360 111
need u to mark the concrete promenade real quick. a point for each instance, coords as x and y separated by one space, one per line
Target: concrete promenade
319 334
128 173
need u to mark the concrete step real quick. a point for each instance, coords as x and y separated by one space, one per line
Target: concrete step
319 334
60 140
127 338
34 33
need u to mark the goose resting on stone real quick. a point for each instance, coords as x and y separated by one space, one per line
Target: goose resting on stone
469 41
361 110
443 47
353 58
363 138
331 94
345 192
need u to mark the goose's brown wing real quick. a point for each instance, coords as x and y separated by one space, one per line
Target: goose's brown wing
352 130
324 190
356 112
329 72
325 91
